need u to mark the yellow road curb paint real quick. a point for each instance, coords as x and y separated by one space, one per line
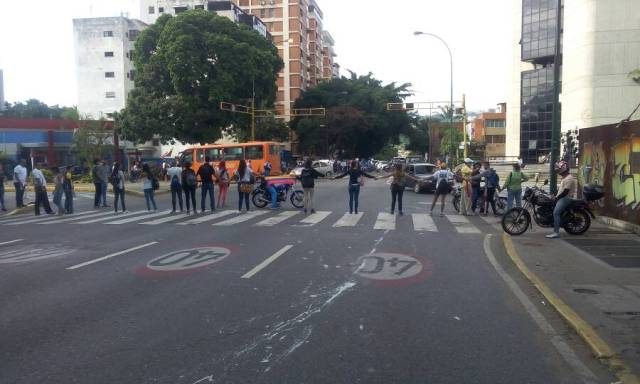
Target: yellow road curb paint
600 348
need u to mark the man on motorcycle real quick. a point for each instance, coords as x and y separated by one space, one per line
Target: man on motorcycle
566 193
276 184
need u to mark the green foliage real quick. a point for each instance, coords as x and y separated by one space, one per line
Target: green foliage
91 141
357 123
418 136
185 66
36 109
267 129
635 75
388 152
48 175
451 143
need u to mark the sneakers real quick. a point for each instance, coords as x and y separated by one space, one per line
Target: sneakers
400 213
553 235
313 211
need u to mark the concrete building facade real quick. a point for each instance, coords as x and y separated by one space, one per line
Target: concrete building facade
600 45
2 101
490 128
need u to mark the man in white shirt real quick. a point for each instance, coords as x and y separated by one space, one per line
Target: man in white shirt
40 185
175 179
20 182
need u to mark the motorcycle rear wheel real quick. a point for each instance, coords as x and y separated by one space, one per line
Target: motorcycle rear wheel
578 222
516 221
259 199
297 199
456 202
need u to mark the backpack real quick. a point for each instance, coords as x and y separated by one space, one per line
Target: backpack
37 182
492 180
191 178
175 182
155 184
306 178
115 179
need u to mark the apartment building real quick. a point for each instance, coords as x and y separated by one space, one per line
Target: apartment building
489 127
1 91
330 69
600 45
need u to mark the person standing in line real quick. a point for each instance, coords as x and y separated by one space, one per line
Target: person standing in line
442 178
356 180
149 183
564 197
97 183
58 180
307 179
189 184
40 185
223 184
117 180
67 187
245 186
2 177
513 185
20 182
491 183
267 168
465 173
207 174
175 178
398 184
103 173
475 186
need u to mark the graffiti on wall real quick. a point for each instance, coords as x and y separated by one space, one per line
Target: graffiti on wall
610 156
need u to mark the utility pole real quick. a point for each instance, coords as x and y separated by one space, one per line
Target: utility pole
464 127
253 110
555 130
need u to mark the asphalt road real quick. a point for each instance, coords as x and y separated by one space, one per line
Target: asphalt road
399 299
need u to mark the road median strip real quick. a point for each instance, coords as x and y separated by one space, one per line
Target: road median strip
598 345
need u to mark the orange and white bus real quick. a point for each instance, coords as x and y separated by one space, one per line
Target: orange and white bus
256 153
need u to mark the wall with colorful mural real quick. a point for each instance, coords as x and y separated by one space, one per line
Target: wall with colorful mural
610 156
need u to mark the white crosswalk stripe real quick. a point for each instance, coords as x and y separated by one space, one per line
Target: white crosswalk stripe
37 219
313 219
241 218
113 216
385 221
349 220
423 222
63 219
174 217
462 224
211 217
282 216
138 218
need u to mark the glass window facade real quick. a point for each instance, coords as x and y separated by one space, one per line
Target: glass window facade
536 114
539 19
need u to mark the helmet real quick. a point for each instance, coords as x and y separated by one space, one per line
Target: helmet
468 161
561 167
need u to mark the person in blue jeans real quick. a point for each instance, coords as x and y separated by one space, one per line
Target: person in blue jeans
355 175
207 174
564 198
147 186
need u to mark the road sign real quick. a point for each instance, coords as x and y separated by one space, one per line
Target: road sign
188 259
390 268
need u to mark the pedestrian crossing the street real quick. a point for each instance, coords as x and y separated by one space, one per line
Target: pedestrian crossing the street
378 221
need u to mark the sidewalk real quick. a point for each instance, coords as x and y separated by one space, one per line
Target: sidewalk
130 188
593 281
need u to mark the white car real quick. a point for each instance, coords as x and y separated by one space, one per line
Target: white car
323 166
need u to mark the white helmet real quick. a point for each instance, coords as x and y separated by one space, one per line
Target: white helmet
468 161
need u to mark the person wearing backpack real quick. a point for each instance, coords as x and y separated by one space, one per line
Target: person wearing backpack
443 177
513 185
307 179
117 180
491 183
223 184
40 184
207 174
149 183
175 178
189 184
398 184
67 187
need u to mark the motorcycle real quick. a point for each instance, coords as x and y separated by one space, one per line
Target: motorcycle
539 205
261 196
501 201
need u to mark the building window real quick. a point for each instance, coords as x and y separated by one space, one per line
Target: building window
271 13
109 75
133 34
107 33
263 13
155 142
108 54
152 10
109 115
130 55
201 6
495 124
160 9
131 74
110 95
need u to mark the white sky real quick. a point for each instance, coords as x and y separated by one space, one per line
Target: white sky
37 52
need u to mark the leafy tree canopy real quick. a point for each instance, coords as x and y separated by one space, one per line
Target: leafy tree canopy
36 109
357 123
186 65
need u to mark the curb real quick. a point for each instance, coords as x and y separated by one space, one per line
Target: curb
619 224
600 348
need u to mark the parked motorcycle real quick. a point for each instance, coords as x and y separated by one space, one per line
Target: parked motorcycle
261 196
501 201
539 205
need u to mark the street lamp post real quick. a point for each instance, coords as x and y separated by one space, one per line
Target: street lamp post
418 33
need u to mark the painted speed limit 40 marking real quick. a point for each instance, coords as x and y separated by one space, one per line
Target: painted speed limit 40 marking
188 259
390 268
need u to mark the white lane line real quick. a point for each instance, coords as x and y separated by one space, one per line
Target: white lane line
462 224
266 262
313 219
423 222
558 341
11 241
113 216
138 218
111 255
173 217
270 222
37 219
349 220
205 218
241 218
385 221
63 219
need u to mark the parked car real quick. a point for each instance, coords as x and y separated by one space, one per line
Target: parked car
323 166
424 173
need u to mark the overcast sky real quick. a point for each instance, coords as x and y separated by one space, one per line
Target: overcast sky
37 52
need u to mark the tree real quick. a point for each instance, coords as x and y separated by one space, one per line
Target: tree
635 75
185 66
267 129
418 136
91 141
36 109
357 123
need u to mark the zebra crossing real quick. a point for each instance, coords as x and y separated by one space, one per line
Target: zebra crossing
379 221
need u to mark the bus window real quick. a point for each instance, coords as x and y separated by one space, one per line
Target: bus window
187 156
200 155
255 152
274 150
233 153
215 154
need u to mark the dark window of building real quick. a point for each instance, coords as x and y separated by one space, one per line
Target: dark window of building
130 55
131 74
152 10
107 33
110 95
109 115
133 34
271 12
109 74
160 9
108 54
201 6
263 13
539 19
178 10
495 124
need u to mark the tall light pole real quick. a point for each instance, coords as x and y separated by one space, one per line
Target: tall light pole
418 33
